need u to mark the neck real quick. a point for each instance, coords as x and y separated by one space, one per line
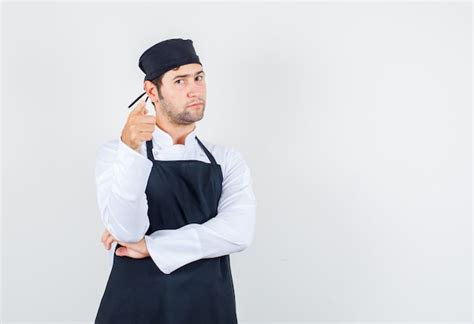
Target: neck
177 132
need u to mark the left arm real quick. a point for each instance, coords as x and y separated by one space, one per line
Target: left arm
230 231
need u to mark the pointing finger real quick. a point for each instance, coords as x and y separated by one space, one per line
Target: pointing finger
140 108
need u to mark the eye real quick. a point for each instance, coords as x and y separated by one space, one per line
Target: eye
199 76
178 80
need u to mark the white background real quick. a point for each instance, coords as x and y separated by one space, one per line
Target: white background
355 120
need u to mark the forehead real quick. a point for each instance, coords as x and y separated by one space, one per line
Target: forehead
191 69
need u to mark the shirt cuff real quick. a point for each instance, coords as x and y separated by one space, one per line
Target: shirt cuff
172 249
127 150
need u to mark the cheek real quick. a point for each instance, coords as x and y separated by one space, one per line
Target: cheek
203 89
173 96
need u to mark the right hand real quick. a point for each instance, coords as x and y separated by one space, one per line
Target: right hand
139 126
138 250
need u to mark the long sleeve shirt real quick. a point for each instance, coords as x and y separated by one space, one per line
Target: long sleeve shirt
121 179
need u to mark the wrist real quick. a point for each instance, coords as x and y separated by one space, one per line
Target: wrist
135 148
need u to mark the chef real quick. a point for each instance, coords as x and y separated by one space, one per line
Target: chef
174 206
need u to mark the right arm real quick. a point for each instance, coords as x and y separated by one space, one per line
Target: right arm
121 179
122 176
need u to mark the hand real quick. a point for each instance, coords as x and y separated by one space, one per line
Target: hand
137 250
139 126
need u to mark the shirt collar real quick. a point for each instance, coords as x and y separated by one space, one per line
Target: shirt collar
162 139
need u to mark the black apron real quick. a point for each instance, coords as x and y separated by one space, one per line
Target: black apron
179 192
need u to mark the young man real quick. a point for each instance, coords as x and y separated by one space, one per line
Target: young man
174 206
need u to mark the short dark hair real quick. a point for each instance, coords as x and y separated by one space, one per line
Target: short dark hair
158 82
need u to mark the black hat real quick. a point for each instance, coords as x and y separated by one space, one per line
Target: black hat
164 56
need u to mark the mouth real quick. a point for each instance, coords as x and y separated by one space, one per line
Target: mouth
195 105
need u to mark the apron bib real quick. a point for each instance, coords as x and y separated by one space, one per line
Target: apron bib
179 192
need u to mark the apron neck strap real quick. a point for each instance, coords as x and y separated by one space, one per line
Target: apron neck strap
209 155
149 152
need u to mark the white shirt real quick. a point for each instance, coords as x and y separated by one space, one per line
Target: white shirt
121 179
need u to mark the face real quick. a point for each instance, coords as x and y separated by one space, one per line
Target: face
180 88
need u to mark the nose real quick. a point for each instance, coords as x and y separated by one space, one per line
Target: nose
193 92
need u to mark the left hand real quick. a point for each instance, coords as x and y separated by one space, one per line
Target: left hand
137 250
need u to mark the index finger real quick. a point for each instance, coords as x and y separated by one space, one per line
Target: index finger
139 109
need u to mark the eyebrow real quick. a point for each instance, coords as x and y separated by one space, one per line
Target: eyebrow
187 75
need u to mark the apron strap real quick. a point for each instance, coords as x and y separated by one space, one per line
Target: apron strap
209 155
149 151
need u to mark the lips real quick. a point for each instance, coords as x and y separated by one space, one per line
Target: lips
196 104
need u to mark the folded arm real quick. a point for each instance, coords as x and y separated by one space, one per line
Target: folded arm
230 231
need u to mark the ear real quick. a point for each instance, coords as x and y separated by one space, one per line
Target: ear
151 91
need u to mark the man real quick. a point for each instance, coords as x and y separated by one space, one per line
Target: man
174 206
